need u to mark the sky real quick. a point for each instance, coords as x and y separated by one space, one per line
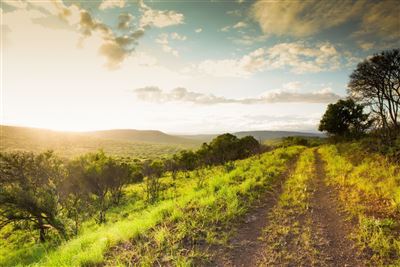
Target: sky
184 66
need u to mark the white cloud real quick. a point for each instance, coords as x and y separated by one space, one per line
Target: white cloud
297 57
242 67
305 18
380 18
285 95
198 30
292 86
239 25
302 58
366 45
225 29
124 20
245 39
236 12
302 18
163 40
177 36
160 18
106 4
114 47
325 95
155 94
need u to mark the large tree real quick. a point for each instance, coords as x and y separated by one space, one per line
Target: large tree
103 177
345 118
376 83
29 191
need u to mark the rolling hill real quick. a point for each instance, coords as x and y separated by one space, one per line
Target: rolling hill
133 143
122 142
151 136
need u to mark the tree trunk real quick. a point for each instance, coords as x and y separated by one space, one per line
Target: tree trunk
42 233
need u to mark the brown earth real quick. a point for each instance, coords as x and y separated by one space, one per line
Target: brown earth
331 222
246 247
324 224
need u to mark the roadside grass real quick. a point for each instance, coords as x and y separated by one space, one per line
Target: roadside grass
186 216
289 236
369 189
206 216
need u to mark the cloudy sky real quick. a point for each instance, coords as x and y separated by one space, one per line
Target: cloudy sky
184 66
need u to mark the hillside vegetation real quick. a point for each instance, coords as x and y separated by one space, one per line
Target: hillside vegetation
340 204
194 208
369 190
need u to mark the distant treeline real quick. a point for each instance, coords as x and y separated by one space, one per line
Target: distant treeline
53 196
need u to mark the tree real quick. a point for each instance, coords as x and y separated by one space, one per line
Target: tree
224 147
376 84
188 160
172 166
345 118
248 146
205 155
152 170
75 196
118 174
104 178
28 191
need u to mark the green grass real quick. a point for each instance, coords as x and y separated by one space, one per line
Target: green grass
369 188
168 232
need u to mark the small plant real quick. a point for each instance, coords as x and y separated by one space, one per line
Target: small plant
229 166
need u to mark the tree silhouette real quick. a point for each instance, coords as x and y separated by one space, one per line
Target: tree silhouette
376 84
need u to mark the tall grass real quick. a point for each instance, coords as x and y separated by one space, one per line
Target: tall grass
369 188
180 220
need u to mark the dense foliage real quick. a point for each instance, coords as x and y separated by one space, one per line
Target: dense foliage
28 191
55 196
180 200
345 118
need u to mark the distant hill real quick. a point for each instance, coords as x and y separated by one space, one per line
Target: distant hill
150 136
267 135
259 135
133 143
200 137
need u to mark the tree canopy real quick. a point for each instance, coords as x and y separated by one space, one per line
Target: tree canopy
345 118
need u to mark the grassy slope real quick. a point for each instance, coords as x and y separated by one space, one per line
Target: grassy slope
369 188
73 144
200 208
